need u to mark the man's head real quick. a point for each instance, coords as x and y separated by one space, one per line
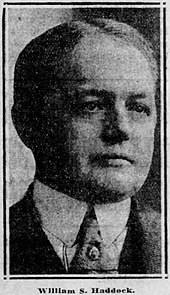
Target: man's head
84 102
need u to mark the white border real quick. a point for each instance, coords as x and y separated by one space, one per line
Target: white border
151 283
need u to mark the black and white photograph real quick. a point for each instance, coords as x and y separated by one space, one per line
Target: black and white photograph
84 148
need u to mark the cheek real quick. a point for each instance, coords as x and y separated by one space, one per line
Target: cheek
144 143
84 136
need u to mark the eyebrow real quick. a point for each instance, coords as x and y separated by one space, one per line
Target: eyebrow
96 92
109 94
137 95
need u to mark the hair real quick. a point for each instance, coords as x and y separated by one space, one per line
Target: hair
44 59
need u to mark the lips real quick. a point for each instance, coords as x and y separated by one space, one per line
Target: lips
111 160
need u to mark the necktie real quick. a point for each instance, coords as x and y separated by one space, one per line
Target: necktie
92 256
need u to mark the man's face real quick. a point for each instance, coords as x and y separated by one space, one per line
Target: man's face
111 118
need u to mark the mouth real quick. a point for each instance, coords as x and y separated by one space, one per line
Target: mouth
111 160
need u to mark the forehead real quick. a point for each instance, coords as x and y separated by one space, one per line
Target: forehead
106 62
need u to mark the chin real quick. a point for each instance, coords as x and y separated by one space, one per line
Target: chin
115 187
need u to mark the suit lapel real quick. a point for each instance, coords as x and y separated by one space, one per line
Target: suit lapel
141 253
30 250
131 258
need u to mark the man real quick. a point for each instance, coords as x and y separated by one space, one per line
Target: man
84 103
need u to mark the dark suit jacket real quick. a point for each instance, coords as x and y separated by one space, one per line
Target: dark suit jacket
32 253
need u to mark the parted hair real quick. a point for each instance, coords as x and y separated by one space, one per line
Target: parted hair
45 60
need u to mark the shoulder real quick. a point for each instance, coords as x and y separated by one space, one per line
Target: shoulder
150 223
30 250
22 216
150 220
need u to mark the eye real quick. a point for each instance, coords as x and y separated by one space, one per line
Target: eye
138 107
91 106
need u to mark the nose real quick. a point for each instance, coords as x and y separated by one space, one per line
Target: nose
116 127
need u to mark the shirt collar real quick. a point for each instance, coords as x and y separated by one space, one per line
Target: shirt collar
62 215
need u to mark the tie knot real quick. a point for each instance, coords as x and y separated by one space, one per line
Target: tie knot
89 232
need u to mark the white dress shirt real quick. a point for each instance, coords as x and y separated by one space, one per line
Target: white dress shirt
62 217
